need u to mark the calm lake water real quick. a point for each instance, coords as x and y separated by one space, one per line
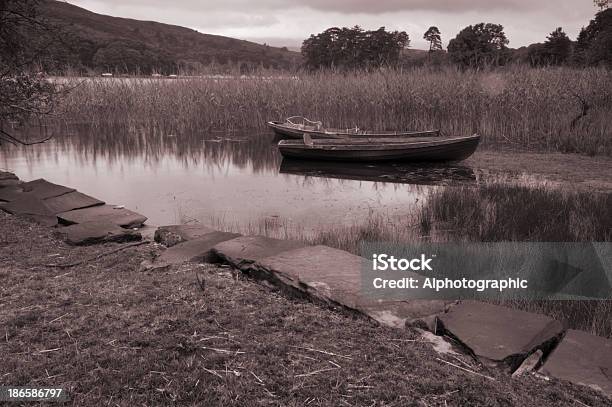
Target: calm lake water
231 180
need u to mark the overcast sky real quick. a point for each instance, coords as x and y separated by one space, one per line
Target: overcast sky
289 22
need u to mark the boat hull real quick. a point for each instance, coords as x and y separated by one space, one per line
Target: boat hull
455 149
282 130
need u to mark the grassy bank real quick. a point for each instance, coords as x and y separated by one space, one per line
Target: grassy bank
519 106
111 335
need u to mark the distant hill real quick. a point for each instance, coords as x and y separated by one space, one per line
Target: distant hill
103 42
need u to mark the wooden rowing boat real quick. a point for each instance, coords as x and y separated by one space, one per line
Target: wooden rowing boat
289 129
412 149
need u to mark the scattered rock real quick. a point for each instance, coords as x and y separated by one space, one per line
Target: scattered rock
71 201
582 358
529 364
428 323
197 250
175 234
120 217
400 314
245 250
499 335
97 232
439 343
147 231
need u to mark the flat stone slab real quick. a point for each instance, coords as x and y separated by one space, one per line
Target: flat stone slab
8 179
5 175
9 183
334 276
43 189
97 232
30 207
320 269
584 359
11 193
174 234
71 201
120 217
248 249
197 250
498 334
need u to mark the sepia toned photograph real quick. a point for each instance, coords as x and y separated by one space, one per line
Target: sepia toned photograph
306 203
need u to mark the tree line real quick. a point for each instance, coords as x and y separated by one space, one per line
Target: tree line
475 46
354 47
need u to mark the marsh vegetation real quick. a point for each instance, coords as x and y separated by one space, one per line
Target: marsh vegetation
560 109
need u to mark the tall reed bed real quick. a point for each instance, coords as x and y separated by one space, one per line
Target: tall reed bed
533 108
496 212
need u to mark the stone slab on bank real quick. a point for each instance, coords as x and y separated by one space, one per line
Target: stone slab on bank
30 207
11 193
334 276
175 234
119 216
197 250
4 175
96 232
71 201
8 179
582 358
43 189
499 335
245 250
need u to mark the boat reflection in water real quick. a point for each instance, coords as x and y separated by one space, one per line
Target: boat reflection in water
401 173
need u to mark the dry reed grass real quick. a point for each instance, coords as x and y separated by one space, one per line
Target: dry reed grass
532 108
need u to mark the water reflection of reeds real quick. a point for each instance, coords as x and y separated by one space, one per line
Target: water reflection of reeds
118 143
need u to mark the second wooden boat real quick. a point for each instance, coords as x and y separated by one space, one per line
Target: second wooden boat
385 149
294 129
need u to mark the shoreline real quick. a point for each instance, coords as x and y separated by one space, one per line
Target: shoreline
299 270
568 170
100 318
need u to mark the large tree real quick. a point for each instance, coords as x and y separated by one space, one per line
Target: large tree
558 47
555 51
479 45
594 45
24 91
433 36
603 4
352 48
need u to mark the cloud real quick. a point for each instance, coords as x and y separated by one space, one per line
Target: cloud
351 6
284 22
